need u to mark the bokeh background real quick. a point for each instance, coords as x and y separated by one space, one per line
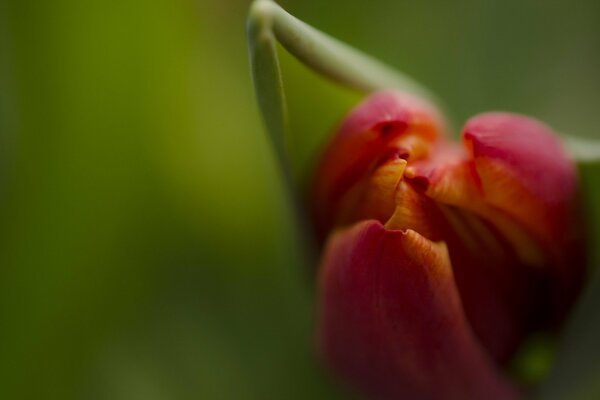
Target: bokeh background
146 244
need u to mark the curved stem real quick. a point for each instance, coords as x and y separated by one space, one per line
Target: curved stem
336 60
330 57
266 75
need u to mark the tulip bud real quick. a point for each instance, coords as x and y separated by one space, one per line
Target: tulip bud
440 258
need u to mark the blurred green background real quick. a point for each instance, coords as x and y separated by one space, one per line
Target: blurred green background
146 247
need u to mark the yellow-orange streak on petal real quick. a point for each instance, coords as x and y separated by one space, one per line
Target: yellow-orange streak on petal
502 190
379 196
414 211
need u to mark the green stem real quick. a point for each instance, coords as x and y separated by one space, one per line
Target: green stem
330 57
266 74
585 151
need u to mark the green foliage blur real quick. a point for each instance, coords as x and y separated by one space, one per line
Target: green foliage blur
146 246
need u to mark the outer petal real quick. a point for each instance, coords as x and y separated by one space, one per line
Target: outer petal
516 174
524 171
391 321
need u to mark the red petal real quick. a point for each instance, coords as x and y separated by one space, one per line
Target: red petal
391 321
516 174
524 171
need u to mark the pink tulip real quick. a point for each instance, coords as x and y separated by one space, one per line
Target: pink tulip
441 258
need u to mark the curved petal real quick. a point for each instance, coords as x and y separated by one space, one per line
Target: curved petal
524 170
391 321
516 174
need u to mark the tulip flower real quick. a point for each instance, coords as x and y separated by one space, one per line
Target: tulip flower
441 258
